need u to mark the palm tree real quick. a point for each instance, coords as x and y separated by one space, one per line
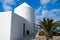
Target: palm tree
48 24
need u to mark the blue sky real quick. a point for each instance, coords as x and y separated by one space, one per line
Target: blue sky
43 8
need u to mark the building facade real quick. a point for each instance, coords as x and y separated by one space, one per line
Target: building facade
18 24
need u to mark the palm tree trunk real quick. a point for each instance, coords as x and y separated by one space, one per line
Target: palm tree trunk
48 35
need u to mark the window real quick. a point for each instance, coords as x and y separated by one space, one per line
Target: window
23 29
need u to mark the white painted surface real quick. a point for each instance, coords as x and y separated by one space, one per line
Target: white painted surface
25 5
26 12
5 25
16 27
37 37
11 25
56 37
41 38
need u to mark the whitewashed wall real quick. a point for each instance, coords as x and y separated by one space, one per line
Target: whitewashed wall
56 37
5 25
16 27
27 12
11 24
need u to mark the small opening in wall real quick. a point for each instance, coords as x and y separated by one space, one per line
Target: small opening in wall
23 29
27 32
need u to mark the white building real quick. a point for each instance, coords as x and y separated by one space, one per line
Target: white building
15 25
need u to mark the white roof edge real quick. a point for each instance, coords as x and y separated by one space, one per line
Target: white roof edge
24 5
6 12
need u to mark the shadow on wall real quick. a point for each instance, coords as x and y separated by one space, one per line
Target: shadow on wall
19 30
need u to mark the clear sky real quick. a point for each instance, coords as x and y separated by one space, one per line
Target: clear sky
43 8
